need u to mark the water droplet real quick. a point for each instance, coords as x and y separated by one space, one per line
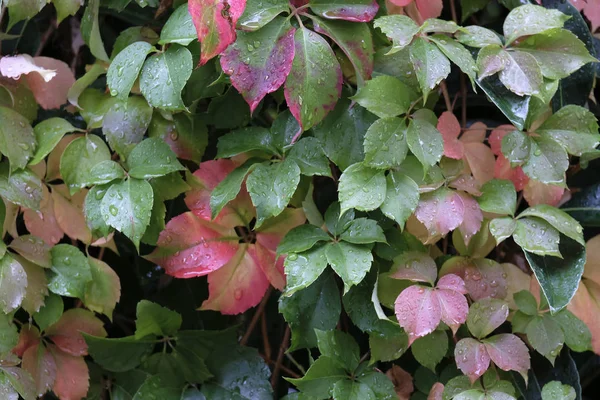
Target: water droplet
113 210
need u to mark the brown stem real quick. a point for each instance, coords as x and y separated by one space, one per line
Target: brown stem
265 336
256 316
463 99
446 96
45 37
453 11
282 349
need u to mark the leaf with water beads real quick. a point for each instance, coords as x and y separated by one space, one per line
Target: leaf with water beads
20 187
13 284
17 139
125 68
71 271
414 266
362 188
485 316
471 358
531 19
78 159
482 277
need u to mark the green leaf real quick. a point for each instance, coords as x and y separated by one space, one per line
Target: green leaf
125 124
430 64
351 262
84 82
429 350
457 53
125 68
537 236
548 161
131 35
105 172
152 158
560 220
164 76
470 7
104 290
303 269
526 302
584 206
271 188
485 316
9 335
127 206
340 347
574 127
90 30
13 284
18 10
302 238
316 307
522 74
320 378
363 231
499 197
425 142
187 134
431 25
385 143
228 111
159 387
515 108
78 160
401 199
385 96
577 334
119 354
245 140
477 36
516 147
64 8
555 390
352 390
362 188
559 278
153 319
530 20
308 154
546 336
93 215
17 139
228 188
71 271
157 222
21 187
389 345
380 384
399 28
50 312
47 135
179 28
342 133
259 13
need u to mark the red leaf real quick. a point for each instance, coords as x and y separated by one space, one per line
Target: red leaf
536 192
452 282
503 170
449 127
237 286
430 8
472 218
509 353
257 71
43 223
495 139
69 216
401 3
436 391
66 333
471 358
72 376
418 311
41 366
215 22
190 246
440 211
265 259
28 337
52 94
482 277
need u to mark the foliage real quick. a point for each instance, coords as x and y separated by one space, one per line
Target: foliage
311 159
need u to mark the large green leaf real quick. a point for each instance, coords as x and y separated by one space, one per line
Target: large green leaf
385 96
21 187
48 133
499 197
548 161
430 64
400 28
340 347
385 143
125 68
425 142
350 261
125 124
301 238
537 236
531 19
304 268
561 221
259 13
119 354
71 271
19 10
429 350
574 127
321 378
458 54
13 283
153 319
152 158
17 139
309 155
228 188
362 188
78 160
179 28
402 197
514 107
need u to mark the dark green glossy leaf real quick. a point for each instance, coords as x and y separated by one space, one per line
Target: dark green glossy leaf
152 158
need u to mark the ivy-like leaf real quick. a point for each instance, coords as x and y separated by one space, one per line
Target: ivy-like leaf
152 158
17 138
78 160
425 142
125 68
71 271
362 188
531 19
399 28
430 64
401 199
385 96
179 28
90 30
351 262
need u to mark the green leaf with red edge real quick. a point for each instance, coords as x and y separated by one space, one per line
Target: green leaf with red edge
215 22
72 375
355 41
349 10
259 62
315 82
66 333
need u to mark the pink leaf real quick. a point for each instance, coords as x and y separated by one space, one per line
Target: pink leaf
495 139
190 247
509 353
69 216
440 211
270 266
592 12
430 8
401 3
43 223
503 170
536 192
51 94
23 64
215 22
436 391
449 127
472 218
41 366
72 376
257 71
237 286
579 4
467 184
418 311
471 358
452 282
453 304
66 333
475 134
481 161
483 277
28 337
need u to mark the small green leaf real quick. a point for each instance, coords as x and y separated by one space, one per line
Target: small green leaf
228 188
385 96
18 10
401 199
258 14
84 82
271 188
577 334
152 158
560 220
573 127
515 108
179 28
9 335
363 231
470 7
119 354
127 207
308 154
304 268
546 336
485 316
245 140
362 188
548 161
340 347
21 187
425 142
320 379
13 283
522 74
555 390
125 124
71 271
429 350
78 159
400 28
164 76
431 25
516 147
526 302
64 8
385 143
477 36
302 238
50 312
153 319
105 172
90 30
336 223
17 138
47 134
537 236
125 68
530 20
457 53
104 290
351 262
93 215
498 197
430 64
